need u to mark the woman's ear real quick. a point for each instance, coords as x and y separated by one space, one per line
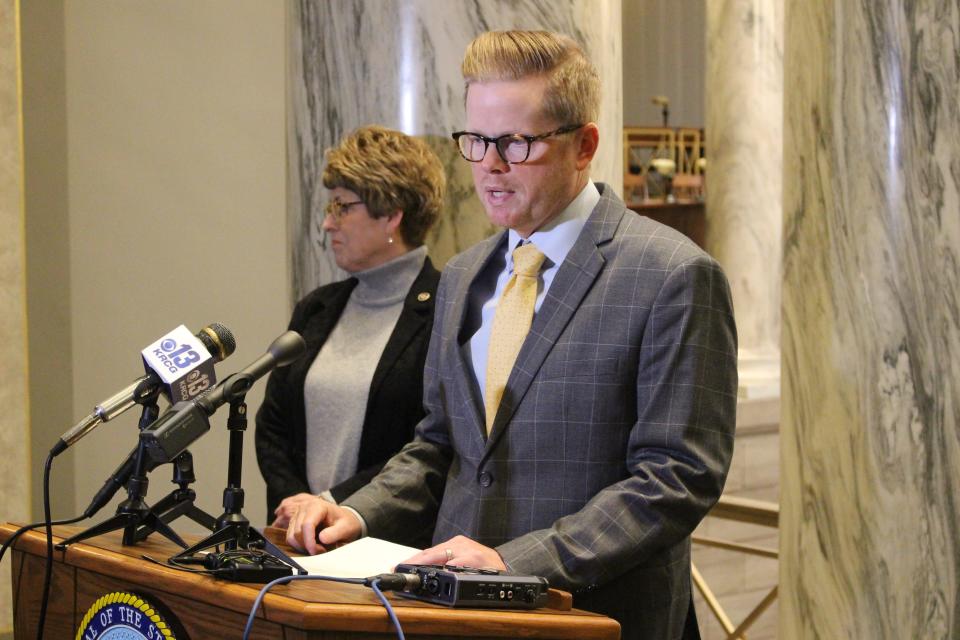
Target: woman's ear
393 223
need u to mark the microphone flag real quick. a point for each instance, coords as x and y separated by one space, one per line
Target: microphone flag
183 363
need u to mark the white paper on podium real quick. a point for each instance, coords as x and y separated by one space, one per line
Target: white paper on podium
360 559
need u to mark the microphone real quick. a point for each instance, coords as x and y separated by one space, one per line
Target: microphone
184 365
116 481
215 338
186 421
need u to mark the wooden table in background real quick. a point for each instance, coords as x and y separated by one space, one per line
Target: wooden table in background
211 608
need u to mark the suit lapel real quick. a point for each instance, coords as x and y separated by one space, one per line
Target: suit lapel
415 313
465 381
572 282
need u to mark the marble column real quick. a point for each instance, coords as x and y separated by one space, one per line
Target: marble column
14 420
397 63
870 506
744 132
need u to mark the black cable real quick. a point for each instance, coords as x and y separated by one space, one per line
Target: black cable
48 574
178 567
212 568
27 527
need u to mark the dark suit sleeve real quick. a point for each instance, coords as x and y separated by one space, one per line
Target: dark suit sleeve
274 438
677 452
360 479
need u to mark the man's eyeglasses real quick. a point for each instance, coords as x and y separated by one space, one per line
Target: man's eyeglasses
514 148
336 209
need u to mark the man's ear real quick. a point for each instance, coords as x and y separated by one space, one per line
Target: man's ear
589 141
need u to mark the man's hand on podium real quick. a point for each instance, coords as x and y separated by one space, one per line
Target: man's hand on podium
460 551
317 525
288 507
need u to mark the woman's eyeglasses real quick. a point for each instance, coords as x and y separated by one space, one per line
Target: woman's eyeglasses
336 209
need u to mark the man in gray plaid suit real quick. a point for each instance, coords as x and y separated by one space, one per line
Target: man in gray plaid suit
614 433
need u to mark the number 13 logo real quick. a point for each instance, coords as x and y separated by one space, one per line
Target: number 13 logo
184 356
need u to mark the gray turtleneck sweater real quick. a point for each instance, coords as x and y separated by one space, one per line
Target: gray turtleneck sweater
338 383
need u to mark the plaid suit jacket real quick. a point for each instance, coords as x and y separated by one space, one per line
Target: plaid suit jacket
614 435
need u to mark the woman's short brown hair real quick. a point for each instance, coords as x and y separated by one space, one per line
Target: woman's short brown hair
389 170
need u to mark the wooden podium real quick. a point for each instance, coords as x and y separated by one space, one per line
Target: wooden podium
212 608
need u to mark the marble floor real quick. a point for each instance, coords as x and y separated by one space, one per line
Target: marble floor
740 581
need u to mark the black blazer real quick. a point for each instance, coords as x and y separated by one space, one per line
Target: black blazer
394 406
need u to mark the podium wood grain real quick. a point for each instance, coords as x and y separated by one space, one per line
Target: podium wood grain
211 608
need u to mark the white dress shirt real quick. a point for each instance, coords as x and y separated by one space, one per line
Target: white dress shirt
554 239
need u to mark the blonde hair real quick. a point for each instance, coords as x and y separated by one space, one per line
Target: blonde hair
573 84
389 170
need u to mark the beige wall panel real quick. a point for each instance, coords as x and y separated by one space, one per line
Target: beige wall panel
14 430
48 248
664 53
175 156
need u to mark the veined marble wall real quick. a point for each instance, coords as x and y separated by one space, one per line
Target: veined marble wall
744 178
397 63
14 419
870 493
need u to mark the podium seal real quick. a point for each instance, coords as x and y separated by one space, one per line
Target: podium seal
123 615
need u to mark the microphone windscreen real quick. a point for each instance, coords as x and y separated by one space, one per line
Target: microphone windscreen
218 340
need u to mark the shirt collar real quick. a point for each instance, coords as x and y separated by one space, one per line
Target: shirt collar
557 237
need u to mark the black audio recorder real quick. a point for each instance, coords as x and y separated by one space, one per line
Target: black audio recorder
474 588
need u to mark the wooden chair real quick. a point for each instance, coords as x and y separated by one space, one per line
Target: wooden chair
689 150
688 187
634 188
641 144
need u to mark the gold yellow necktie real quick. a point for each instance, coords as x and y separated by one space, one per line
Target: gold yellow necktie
511 323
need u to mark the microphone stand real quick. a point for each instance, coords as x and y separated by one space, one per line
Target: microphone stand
233 530
134 511
180 501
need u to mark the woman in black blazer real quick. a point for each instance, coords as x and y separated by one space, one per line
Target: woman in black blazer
330 420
